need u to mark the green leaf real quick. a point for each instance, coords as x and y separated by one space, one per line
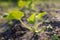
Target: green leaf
40 15
55 37
31 19
15 14
23 3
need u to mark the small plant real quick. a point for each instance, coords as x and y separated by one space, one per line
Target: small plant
49 28
33 19
56 37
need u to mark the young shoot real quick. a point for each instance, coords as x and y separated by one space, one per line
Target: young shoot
33 19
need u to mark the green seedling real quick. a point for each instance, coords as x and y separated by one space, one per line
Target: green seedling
33 19
56 37
49 28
